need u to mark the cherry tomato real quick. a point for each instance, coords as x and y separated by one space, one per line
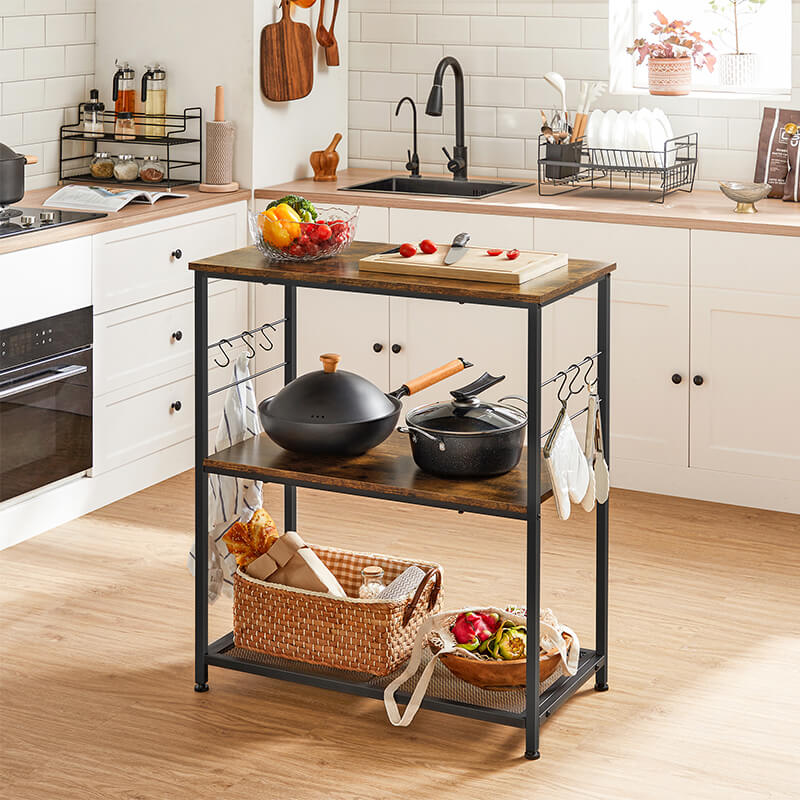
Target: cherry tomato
407 250
494 251
323 233
427 246
512 254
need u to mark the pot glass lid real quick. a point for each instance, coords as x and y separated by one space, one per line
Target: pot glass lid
457 418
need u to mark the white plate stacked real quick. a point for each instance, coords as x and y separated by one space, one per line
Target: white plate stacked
629 139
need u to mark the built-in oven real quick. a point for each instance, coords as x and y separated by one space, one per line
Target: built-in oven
45 401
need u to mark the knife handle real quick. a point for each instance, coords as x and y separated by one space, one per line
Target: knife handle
461 240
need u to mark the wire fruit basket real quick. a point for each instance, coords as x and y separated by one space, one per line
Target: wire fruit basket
568 166
286 240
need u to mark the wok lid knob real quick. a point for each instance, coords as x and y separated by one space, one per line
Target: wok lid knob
330 361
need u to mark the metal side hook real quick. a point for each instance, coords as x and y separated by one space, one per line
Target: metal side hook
249 344
223 353
263 330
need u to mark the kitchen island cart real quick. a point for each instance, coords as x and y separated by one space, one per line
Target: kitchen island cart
388 472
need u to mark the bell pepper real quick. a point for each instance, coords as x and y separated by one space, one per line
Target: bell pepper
473 629
289 218
274 230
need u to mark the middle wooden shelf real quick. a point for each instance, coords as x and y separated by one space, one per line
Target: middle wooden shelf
387 471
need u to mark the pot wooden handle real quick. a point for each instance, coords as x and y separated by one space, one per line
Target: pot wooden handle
330 361
434 376
31 159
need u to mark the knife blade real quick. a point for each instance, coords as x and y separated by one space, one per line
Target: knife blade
457 249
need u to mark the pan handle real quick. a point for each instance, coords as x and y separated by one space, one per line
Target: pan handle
413 432
429 378
513 397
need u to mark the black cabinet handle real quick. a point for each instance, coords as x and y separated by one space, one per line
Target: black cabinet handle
698 380
177 336
176 406
377 347
676 379
396 348
177 254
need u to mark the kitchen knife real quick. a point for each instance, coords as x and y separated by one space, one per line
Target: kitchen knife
457 249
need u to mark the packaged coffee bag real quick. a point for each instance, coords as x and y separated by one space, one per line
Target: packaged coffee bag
779 128
791 189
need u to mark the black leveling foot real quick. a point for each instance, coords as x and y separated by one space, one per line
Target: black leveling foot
201 687
532 755
601 687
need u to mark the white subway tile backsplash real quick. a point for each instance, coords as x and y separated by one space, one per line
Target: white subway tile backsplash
729 108
524 61
526 8
387 86
518 122
370 56
496 152
12 65
415 57
594 33
588 8
66 28
415 6
90 23
497 92
712 131
21 96
44 62
23 32
42 126
389 28
475 59
45 6
478 120
369 5
64 92
354 26
743 133
354 85
11 129
496 30
443 29
80 5
369 115
553 32
11 8
581 64
79 59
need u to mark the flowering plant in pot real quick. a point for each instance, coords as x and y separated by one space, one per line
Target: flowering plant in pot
670 54
736 68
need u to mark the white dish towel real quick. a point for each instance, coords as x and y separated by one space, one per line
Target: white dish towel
230 499
568 468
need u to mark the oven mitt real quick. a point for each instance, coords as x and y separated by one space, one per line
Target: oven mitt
588 451
602 477
569 472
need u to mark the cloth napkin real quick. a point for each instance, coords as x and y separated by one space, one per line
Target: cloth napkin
230 500
568 468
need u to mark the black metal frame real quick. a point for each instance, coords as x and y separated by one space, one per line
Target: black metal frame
539 708
175 135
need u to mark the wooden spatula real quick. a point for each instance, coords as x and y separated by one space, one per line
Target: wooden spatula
325 35
287 58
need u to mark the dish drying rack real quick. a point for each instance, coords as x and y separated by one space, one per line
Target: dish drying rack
178 130
565 167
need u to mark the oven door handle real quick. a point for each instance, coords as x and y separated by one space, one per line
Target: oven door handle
53 376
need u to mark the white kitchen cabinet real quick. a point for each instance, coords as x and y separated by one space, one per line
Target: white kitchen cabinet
649 331
745 334
140 262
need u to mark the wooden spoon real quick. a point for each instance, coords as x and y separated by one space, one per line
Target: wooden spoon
325 35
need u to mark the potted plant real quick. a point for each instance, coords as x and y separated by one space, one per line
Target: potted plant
670 53
736 68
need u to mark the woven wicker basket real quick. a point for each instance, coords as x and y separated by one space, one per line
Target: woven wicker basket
370 636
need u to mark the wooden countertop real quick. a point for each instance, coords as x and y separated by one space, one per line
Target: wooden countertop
700 210
341 272
130 215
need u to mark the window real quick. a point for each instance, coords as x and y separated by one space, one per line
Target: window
762 29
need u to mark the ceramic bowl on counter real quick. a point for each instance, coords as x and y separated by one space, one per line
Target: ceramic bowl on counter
744 194
289 240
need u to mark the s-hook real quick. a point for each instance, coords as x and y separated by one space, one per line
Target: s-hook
263 330
248 343
222 352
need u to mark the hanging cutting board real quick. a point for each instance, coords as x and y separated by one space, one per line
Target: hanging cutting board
287 58
475 265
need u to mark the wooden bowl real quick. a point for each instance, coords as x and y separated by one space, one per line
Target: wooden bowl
499 675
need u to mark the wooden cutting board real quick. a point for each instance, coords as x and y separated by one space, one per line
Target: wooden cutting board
287 58
475 265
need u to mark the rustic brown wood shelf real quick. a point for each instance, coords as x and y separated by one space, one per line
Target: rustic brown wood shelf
387 471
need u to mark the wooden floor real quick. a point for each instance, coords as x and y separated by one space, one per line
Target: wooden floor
96 674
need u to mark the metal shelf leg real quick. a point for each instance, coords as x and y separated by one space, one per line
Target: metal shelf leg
200 481
534 526
289 374
603 384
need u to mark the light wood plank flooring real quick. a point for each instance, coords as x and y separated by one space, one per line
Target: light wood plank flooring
96 663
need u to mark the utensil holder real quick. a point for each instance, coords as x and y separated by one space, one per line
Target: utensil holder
563 151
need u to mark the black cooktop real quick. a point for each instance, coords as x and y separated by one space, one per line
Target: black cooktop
16 220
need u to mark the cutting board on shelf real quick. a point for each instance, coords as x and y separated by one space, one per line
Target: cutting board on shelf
287 58
475 265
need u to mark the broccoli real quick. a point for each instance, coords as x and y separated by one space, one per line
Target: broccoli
302 206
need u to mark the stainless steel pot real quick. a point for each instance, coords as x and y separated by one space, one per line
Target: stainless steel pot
12 175
334 412
465 438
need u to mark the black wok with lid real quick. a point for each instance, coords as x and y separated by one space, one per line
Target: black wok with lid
335 412
12 175
465 437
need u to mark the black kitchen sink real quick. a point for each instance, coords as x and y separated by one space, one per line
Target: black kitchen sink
402 184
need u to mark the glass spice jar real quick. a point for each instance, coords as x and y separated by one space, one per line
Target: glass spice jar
126 169
152 170
102 166
124 127
371 582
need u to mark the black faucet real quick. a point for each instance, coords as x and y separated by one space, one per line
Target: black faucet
413 160
457 163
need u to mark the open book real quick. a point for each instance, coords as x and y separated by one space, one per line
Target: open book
94 198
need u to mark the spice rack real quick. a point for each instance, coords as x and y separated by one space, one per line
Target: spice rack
388 472
179 131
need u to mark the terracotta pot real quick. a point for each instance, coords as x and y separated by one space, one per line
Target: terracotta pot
670 76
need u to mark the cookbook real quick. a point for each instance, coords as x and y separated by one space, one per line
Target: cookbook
94 198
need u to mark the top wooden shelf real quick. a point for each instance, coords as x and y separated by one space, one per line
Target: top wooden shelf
341 272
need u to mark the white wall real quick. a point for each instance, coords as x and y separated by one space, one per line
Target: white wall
46 69
505 46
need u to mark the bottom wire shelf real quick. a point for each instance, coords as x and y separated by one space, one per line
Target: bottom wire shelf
446 693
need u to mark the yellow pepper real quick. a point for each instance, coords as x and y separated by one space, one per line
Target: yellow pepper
290 218
274 230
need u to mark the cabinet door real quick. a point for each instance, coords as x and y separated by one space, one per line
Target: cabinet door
432 332
649 331
745 330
